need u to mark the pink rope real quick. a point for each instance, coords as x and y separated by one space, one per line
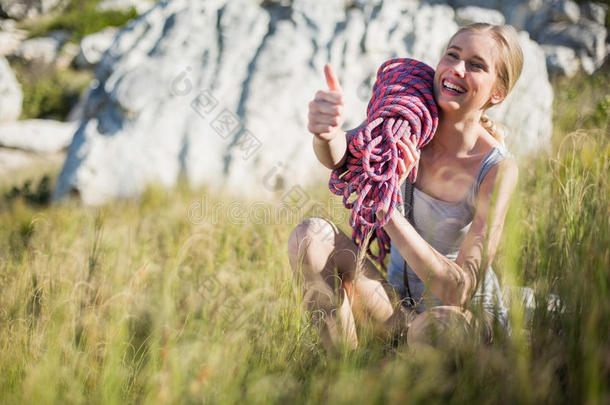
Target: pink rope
402 106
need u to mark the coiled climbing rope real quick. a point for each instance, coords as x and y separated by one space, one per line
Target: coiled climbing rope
402 107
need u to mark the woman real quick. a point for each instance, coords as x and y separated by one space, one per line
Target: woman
460 198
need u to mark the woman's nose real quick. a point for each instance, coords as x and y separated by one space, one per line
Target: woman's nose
459 68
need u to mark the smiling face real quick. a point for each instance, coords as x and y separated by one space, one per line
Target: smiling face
465 78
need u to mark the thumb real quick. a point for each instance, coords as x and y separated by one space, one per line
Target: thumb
331 78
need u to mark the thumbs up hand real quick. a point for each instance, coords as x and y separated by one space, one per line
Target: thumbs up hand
326 109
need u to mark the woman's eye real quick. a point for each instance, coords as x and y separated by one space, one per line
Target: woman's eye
478 66
453 55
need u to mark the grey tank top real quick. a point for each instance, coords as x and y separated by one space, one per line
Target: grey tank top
443 225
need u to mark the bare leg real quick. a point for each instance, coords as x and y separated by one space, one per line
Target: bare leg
316 249
439 324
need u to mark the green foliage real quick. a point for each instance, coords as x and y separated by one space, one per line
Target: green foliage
40 196
582 102
80 18
50 93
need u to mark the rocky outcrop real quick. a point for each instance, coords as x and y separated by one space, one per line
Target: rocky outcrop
10 37
140 6
556 23
587 38
39 51
93 46
471 14
10 93
561 60
19 9
218 91
39 136
528 109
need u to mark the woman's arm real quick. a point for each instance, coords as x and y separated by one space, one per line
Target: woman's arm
325 119
455 282
333 153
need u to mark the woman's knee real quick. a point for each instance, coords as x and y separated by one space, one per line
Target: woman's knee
311 242
440 324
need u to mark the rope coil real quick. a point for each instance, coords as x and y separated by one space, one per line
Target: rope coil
402 107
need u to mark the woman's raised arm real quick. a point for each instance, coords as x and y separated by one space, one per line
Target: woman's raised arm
325 120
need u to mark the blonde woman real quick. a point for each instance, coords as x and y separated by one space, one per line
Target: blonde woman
440 265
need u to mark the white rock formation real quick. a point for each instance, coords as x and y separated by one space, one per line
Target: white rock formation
471 14
588 38
566 10
93 46
561 60
217 91
40 136
528 109
41 51
10 93
141 6
15 160
594 11
567 23
10 41
19 9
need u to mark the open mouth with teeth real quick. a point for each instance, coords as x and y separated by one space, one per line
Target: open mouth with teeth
453 88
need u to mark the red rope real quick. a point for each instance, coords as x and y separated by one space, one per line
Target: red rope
402 106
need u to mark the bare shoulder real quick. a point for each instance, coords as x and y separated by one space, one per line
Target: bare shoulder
487 141
502 177
505 168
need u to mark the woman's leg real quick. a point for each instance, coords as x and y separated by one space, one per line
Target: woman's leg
448 325
334 289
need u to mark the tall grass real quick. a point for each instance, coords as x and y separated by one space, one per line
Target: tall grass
143 301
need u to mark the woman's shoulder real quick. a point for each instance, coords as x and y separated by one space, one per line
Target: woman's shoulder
497 158
491 148
498 165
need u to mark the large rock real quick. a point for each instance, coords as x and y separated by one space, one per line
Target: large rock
10 93
473 14
594 11
565 23
565 10
528 109
93 46
39 51
561 60
19 9
40 136
13 162
140 6
586 36
218 92
10 37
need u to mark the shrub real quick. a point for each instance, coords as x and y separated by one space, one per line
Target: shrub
49 93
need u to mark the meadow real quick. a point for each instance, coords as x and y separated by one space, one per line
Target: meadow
144 300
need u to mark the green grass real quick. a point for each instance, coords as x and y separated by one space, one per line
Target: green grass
80 18
134 302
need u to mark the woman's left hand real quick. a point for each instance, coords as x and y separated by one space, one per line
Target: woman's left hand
410 158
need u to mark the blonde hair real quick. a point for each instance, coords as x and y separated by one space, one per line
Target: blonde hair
508 65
